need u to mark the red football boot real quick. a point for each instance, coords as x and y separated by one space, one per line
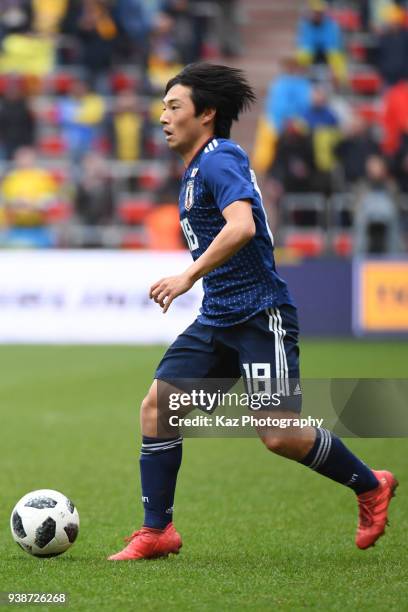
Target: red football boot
150 543
373 507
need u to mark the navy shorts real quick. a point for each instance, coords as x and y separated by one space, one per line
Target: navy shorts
265 346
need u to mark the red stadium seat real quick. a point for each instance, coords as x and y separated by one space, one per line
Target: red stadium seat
58 211
306 244
209 51
370 112
52 146
3 83
366 83
347 18
133 240
61 82
133 210
103 145
6 80
357 51
122 80
60 175
343 244
149 180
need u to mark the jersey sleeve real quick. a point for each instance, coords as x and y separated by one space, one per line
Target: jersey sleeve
226 175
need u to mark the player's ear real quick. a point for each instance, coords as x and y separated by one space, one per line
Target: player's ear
208 115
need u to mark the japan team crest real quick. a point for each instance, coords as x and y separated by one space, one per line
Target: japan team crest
189 198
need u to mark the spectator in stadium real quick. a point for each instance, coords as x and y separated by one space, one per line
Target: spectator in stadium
342 107
71 16
188 33
162 223
288 97
169 189
319 40
69 48
27 190
81 114
15 17
94 196
353 150
193 20
47 15
164 57
136 18
369 12
293 168
21 52
127 127
392 47
17 124
93 24
324 128
395 117
228 27
400 164
372 12
377 176
319 113
365 15
376 222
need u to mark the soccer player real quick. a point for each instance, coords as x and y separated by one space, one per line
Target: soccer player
247 322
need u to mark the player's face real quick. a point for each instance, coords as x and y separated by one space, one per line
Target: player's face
182 129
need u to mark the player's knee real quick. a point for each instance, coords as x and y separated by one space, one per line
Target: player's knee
148 414
276 443
148 407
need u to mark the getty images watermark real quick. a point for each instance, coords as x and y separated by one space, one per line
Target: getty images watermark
208 401
224 407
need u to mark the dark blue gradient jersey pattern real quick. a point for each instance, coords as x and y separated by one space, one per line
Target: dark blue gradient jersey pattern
248 282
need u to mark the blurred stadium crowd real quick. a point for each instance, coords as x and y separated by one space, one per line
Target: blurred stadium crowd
332 144
82 158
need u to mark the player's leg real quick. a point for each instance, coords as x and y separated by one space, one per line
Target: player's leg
192 357
317 448
160 456
289 442
322 451
160 460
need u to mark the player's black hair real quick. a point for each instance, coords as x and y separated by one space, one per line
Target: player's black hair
221 87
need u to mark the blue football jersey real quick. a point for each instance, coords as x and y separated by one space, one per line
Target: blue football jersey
247 283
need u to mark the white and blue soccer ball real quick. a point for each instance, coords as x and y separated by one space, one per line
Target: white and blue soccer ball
44 523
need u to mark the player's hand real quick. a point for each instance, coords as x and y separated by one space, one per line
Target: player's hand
166 289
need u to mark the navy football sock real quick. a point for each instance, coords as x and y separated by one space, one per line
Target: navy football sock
160 460
330 457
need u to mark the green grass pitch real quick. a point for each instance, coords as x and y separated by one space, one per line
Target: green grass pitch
260 533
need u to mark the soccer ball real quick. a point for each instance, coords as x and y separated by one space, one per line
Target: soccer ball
44 523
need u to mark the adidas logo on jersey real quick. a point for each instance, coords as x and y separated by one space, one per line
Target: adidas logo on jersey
297 390
211 146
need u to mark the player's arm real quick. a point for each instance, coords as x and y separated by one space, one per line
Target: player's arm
237 231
